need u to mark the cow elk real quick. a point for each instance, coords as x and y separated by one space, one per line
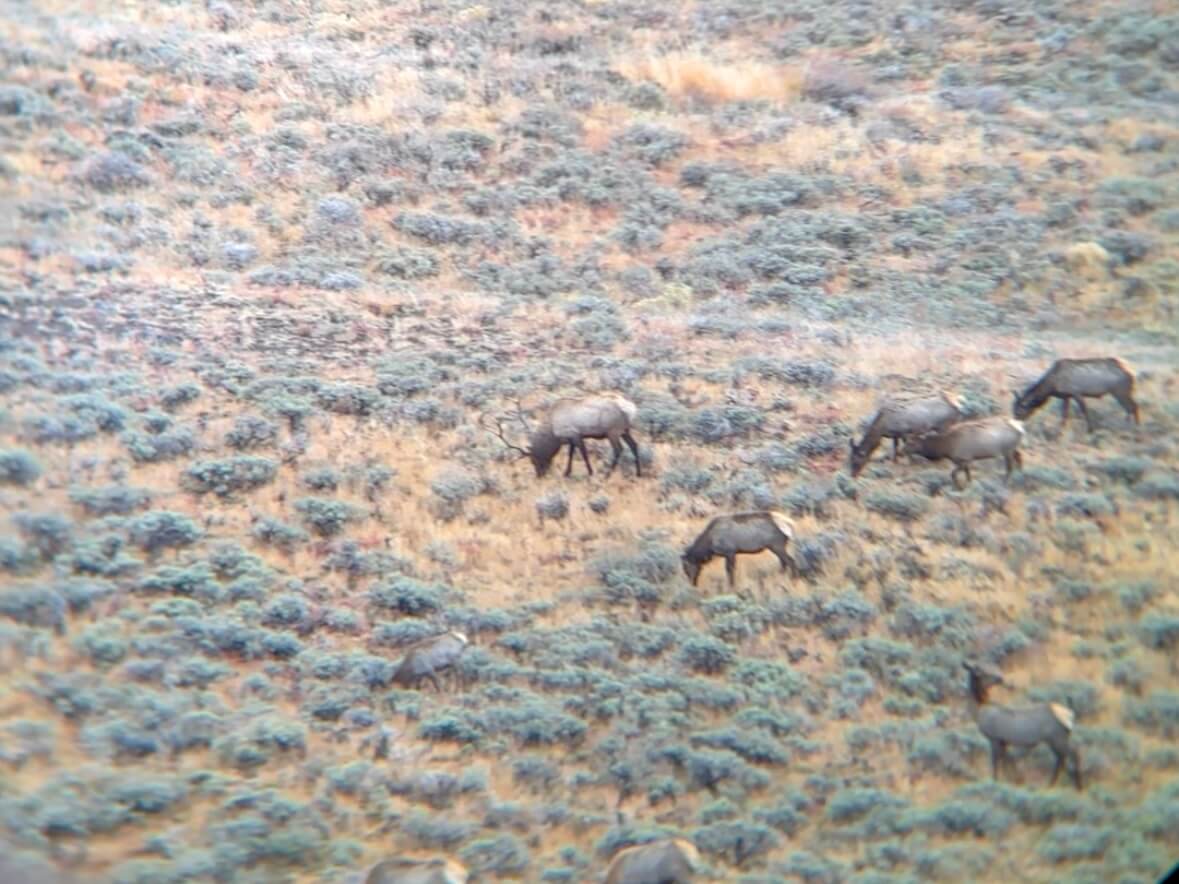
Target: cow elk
670 861
967 442
737 533
1026 727
1074 380
410 871
900 419
572 421
428 657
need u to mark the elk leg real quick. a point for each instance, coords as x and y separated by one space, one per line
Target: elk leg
634 449
959 469
996 757
617 446
731 569
569 466
896 448
1056 769
1017 456
1085 411
1064 404
1009 463
785 558
585 456
434 681
1076 757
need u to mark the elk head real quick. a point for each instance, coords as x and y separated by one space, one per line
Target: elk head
542 447
858 459
1021 408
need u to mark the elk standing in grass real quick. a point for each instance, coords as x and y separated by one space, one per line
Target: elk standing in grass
1074 380
970 441
425 659
902 418
671 861
1049 723
572 421
739 533
409 871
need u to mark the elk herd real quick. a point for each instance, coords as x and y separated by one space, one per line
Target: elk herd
933 427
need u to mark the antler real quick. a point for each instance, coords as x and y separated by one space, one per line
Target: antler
520 414
498 432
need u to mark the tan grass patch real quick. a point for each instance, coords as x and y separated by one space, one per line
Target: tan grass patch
1089 259
692 75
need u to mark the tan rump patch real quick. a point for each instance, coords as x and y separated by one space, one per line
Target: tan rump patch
783 523
1017 426
628 408
688 849
1063 714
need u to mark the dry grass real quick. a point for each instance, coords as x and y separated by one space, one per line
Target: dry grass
1088 259
692 75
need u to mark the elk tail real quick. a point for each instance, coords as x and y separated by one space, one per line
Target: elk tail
952 399
688 849
628 408
783 524
456 872
1064 715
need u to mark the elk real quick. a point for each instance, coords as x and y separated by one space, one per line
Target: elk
670 861
739 533
970 441
572 421
1049 723
899 419
1074 380
411 871
428 657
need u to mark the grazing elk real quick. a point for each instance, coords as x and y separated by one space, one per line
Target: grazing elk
572 421
670 861
739 533
970 441
425 659
1049 723
1074 380
899 419
412 871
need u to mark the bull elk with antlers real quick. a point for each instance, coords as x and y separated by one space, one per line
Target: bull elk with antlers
570 422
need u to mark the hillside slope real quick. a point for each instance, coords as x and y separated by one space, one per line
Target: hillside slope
264 267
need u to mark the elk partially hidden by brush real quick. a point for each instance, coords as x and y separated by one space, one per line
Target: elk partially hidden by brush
1026 727
670 861
1074 380
572 421
970 441
899 419
427 658
413 871
730 535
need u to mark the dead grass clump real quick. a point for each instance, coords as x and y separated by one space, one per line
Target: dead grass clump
1088 259
691 75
